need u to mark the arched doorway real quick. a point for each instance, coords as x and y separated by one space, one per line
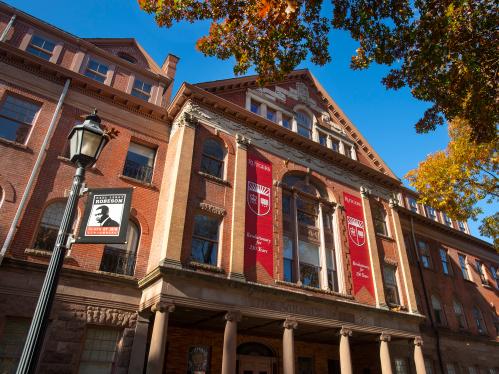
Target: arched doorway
255 358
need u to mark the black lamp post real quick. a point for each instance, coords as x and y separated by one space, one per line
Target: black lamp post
86 143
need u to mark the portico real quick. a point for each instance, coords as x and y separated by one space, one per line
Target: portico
326 331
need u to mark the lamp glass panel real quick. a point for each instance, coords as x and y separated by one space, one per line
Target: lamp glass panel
75 143
91 143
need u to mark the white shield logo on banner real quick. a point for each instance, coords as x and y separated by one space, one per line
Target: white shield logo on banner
356 231
258 198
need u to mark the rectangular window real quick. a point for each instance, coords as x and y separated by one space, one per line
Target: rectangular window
391 289
459 313
493 272
461 226
447 220
12 342
348 151
41 47
424 253
16 118
139 162
464 267
413 205
335 145
323 139
205 239
304 124
379 219
401 366
271 115
288 259
99 352
96 70
309 264
431 213
286 122
255 107
444 258
141 89
480 269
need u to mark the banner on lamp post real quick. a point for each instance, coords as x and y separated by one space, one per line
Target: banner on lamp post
359 251
105 220
258 234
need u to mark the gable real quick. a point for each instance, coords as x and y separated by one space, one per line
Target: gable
128 50
300 91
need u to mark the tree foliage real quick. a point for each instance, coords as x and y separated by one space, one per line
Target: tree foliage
456 179
446 51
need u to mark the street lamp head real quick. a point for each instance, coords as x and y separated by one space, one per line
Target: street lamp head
86 141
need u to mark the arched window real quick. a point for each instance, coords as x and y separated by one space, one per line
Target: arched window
459 312
308 235
304 124
379 219
120 258
49 226
480 323
213 158
438 312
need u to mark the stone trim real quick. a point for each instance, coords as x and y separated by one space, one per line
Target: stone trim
290 323
162 307
418 341
110 317
214 179
233 316
345 332
213 209
207 267
242 142
384 337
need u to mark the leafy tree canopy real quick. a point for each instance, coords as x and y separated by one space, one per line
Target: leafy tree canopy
446 51
456 179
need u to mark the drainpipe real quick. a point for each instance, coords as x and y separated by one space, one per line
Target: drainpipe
428 301
34 172
7 28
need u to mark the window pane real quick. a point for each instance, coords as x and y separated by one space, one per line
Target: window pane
212 160
286 122
16 117
139 162
99 351
49 226
205 239
271 115
255 107
309 253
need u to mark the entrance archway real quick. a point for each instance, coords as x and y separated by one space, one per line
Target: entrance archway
255 358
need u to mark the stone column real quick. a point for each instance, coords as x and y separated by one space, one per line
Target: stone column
230 343
384 354
345 357
379 291
404 259
138 354
170 218
288 346
236 265
157 348
418 355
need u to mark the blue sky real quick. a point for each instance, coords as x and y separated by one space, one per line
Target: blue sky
385 118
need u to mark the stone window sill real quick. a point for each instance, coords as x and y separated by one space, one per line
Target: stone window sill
207 267
122 276
44 253
13 144
313 289
138 182
384 237
214 179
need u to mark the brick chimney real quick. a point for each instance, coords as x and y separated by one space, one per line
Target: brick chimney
169 68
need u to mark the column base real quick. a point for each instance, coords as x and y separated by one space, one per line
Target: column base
170 263
237 276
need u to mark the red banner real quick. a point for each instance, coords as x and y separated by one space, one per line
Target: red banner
359 252
258 232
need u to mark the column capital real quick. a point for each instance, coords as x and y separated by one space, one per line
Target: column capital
188 120
365 192
385 337
233 316
345 332
418 341
242 142
394 202
162 307
290 323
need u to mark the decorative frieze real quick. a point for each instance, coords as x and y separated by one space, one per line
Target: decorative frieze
110 317
207 207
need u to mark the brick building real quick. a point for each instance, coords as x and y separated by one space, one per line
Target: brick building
266 235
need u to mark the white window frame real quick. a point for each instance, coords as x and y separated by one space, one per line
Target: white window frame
26 41
110 68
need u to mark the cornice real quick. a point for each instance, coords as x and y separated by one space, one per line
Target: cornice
255 122
55 73
443 228
82 43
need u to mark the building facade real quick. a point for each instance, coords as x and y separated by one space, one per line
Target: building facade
265 236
